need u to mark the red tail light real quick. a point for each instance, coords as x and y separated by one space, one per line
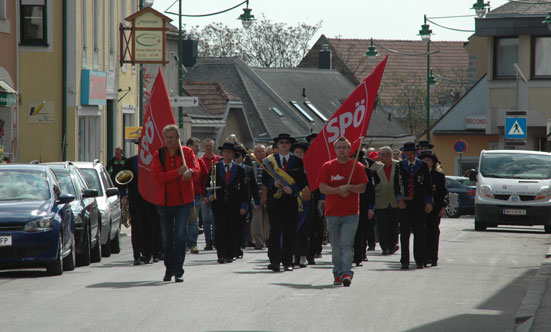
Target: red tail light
471 192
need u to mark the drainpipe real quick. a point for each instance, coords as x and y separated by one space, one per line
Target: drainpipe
64 84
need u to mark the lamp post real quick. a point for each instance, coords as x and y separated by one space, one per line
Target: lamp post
425 34
246 19
547 20
480 8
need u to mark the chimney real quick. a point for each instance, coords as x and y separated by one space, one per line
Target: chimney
189 52
324 60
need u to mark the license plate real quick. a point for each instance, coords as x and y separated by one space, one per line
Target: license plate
5 240
514 212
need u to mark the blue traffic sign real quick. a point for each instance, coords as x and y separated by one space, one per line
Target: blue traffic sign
515 128
460 146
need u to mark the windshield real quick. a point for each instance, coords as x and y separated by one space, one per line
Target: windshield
92 178
465 181
516 166
65 182
23 185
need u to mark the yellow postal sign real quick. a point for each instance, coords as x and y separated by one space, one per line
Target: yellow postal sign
132 132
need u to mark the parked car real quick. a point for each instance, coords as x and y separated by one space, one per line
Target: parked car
85 209
108 202
465 190
36 221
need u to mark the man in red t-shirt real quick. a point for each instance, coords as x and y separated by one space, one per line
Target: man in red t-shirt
342 207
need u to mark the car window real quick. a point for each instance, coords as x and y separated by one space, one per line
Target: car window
28 185
92 178
65 182
81 181
106 179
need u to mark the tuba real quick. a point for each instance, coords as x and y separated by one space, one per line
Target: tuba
123 178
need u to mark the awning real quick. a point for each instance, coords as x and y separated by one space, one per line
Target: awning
7 95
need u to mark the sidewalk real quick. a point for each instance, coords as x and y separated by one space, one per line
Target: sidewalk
534 312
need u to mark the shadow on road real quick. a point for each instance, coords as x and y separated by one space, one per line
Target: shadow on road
128 284
496 314
22 274
305 286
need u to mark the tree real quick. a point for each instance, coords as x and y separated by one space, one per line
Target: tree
264 44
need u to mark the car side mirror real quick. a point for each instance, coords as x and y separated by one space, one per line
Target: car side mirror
90 193
472 175
65 198
111 192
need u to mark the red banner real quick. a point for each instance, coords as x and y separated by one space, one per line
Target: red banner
351 121
158 115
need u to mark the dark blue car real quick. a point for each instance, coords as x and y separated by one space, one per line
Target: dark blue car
465 191
36 221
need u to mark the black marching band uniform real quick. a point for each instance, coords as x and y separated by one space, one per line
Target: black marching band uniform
283 210
412 184
441 199
230 198
367 202
146 227
252 193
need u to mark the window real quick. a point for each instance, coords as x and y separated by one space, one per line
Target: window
89 134
33 22
301 110
315 110
505 55
541 60
3 10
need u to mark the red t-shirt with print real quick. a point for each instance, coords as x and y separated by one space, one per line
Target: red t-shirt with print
336 174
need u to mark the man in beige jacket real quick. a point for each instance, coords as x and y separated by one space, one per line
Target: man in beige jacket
386 207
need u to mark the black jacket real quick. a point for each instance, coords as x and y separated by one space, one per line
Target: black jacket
295 168
422 183
231 195
439 190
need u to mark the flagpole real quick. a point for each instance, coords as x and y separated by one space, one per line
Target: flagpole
356 159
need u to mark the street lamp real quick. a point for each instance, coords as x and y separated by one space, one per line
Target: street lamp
246 19
548 20
480 8
425 34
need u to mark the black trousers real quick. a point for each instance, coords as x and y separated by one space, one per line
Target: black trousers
387 224
432 236
316 232
145 219
283 218
413 219
370 232
302 239
360 243
227 221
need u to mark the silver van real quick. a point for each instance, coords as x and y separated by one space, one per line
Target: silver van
513 188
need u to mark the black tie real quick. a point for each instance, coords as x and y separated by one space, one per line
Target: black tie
284 161
227 168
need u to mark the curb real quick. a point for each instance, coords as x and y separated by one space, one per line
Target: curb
526 314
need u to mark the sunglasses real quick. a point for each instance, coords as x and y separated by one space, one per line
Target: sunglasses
284 142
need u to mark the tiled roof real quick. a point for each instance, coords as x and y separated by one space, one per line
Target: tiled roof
532 7
212 95
349 56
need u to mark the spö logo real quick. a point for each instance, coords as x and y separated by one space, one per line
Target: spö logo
145 155
148 40
337 126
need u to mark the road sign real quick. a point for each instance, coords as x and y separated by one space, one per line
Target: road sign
132 132
515 128
184 101
460 146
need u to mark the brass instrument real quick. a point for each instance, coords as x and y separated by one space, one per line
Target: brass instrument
212 183
123 178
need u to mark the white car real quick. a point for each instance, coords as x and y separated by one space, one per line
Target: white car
108 204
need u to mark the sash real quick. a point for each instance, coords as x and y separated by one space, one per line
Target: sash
282 176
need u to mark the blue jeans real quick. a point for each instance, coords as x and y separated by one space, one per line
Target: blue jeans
193 226
342 231
208 223
173 231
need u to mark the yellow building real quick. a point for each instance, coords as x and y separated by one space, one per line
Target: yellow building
74 95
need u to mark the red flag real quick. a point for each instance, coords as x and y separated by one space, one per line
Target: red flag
158 115
351 120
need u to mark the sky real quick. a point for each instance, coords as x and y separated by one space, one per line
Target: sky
381 19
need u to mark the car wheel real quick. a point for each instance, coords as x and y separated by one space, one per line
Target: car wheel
69 261
55 268
95 256
453 212
106 248
547 228
84 258
115 243
479 226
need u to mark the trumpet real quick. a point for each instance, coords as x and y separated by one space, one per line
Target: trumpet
212 183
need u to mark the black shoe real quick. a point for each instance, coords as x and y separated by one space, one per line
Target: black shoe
178 279
167 277
274 267
359 264
240 256
288 268
434 264
372 248
137 261
385 253
221 260
404 267
258 247
317 256
155 259
311 262
419 266
208 247
230 260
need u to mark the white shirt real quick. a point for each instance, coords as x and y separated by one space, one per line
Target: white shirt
282 157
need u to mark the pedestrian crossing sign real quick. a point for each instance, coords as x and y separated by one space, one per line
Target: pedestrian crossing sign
515 128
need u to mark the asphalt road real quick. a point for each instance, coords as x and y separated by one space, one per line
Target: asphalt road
478 286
